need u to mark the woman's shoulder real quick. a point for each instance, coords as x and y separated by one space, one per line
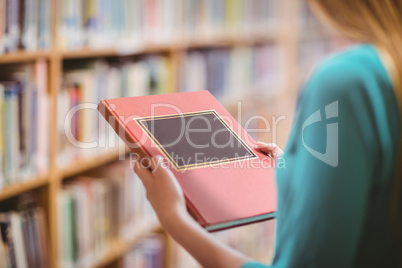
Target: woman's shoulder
345 72
348 65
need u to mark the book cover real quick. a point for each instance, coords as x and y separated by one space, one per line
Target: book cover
226 181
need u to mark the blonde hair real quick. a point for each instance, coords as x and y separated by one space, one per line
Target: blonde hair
377 22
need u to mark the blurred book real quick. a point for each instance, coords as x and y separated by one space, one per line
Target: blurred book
24 24
23 238
232 74
24 122
256 241
149 253
94 212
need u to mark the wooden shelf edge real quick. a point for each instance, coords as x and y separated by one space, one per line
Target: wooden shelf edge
81 165
20 187
181 44
119 247
237 39
113 52
23 56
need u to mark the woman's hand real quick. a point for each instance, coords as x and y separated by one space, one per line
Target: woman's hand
270 149
163 191
166 197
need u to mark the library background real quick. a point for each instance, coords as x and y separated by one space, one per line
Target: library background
62 205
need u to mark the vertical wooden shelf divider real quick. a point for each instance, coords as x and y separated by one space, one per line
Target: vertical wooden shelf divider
55 71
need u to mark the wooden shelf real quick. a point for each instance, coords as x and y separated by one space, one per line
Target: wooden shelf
119 247
181 44
21 187
81 165
147 48
115 52
228 41
23 56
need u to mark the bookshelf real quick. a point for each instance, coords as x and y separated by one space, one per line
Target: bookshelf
285 34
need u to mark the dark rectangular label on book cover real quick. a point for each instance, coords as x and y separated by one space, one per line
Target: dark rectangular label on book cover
194 140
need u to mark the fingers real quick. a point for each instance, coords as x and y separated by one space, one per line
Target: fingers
143 173
270 149
156 164
266 147
148 167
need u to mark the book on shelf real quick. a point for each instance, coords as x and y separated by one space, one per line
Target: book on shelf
226 181
148 253
24 119
130 24
232 74
24 24
23 238
257 241
85 84
96 211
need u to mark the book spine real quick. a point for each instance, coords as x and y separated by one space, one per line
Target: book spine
107 112
29 239
2 25
41 237
29 38
42 30
6 236
33 137
42 116
2 130
13 23
148 253
68 230
11 133
4 258
18 240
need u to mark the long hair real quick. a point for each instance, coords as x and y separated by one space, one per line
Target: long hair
377 22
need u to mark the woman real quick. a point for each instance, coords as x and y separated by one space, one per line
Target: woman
339 210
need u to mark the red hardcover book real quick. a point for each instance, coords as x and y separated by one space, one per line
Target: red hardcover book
226 180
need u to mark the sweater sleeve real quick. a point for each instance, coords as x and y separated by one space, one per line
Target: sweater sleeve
254 265
324 187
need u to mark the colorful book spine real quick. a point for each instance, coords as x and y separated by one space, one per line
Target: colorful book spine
30 32
2 130
41 71
11 133
2 26
13 25
44 25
